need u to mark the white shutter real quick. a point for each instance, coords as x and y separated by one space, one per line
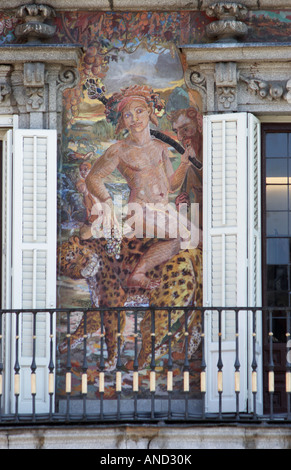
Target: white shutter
226 202
6 253
254 190
6 219
34 253
254 253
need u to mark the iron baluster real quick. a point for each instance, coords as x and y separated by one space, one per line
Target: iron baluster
68 368
85 366
118 366
254 364
51 366
101 366
288 365
153 364
170 366
16 366
219 366
203 366
135 365
237 363
33 365
271 382
186 365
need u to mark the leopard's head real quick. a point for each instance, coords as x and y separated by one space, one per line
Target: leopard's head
77 258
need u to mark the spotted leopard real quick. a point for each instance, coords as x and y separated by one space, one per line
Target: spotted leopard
181 285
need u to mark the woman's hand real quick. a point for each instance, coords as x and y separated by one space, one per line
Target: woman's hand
189 152
183 198
104 220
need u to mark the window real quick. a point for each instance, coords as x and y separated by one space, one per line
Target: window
276 223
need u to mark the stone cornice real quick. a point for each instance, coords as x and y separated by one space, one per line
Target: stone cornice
67 55
234 77
236 52
146 5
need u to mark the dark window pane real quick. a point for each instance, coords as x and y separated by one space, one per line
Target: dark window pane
277 145
277 224
278 251
278 299
277 278
289 146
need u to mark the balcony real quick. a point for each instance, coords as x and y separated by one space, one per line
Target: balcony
59 386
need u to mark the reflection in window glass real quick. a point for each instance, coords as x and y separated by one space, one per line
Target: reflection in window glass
276 171
277 224
277 278
277 197
278 251
277 269
277 145
278 299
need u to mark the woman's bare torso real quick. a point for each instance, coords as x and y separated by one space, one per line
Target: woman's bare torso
145 171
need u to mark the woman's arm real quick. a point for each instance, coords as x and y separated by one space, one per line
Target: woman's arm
103 167
177 177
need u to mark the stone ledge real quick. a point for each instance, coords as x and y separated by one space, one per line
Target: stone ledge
68 55
145 5
236 52
146 437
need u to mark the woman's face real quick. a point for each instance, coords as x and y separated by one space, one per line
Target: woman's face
136 115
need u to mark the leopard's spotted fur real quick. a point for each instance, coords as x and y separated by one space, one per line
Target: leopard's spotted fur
181 285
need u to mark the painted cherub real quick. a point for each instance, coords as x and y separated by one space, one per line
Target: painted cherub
144 162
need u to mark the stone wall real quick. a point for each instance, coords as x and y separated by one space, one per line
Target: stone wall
146 437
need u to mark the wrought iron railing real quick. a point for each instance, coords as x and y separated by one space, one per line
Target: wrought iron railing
171 383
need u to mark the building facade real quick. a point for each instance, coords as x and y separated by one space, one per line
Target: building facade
145 223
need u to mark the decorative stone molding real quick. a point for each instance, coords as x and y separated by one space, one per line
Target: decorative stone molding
5 89
34 29
67 78
233 77
226 85
229 26
38 91
33 74
269 90
32 80
196 80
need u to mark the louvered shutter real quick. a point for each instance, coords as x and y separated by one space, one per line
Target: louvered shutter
254 252
226 235
6 219
34 253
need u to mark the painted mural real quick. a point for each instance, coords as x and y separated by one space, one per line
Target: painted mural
132 138
129 130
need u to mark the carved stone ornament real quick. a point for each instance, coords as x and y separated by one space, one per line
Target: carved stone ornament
34 29
195 79
5 86
226 85
228 27
269 90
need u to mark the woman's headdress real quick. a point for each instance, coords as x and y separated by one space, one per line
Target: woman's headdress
117 102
